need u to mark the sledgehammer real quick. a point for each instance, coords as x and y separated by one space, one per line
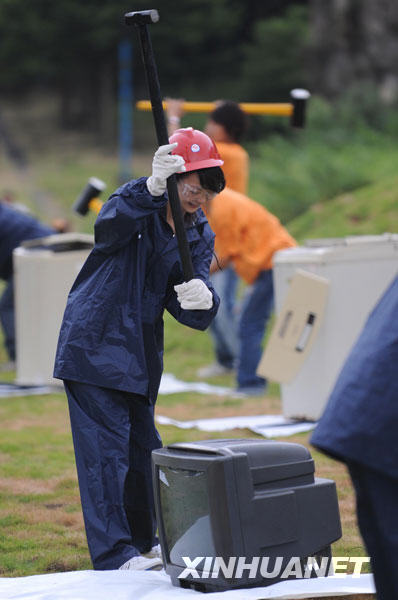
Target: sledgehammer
141 20
88 199
294 109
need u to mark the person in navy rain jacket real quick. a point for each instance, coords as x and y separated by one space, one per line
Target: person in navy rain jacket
360 428
15 228
110 349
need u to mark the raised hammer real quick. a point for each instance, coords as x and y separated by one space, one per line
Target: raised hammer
89 198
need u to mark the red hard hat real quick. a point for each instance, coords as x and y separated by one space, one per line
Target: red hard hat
197 149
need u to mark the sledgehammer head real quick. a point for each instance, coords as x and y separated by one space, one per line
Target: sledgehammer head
299 100
142 17
92 190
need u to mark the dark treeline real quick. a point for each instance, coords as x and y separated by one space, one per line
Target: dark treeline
205 49
251 50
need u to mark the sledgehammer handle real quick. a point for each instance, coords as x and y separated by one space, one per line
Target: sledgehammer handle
163 138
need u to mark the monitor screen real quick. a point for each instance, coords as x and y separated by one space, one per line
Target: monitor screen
185 508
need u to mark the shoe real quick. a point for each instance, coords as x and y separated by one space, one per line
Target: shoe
142 563
154 552
213 370
254 390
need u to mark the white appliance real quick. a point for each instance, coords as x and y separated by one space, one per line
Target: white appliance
44 271
358 269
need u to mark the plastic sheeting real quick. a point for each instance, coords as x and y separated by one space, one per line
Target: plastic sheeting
169 384
152 585
8 390
268 426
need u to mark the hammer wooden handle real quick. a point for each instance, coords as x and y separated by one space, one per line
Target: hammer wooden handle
283 109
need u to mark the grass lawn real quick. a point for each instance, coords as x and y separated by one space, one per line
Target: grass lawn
371 209
40 516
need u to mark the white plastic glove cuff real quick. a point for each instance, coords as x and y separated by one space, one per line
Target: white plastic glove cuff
156 187
194 295
164 165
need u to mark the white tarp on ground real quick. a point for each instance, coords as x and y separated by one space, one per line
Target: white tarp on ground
268 426
169 384
146 585
8 390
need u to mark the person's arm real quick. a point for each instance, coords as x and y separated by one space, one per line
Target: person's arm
122 215
202 253
174 112
219 263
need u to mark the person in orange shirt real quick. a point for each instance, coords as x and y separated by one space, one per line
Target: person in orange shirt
248 235
226 125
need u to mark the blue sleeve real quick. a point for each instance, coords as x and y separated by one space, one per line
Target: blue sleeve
15 228
201 253
122 215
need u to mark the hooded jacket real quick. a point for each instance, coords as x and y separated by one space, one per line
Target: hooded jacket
112 331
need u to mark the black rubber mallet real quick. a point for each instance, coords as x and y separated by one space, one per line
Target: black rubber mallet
89 198
141 20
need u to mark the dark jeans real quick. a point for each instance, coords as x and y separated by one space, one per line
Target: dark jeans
113 435
377 511
256 310
7 318
223 327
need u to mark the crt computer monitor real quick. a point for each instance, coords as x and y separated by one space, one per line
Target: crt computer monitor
246 498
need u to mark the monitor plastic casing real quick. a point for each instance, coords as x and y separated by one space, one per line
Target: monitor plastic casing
254 498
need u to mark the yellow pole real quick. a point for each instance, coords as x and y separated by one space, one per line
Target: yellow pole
282 109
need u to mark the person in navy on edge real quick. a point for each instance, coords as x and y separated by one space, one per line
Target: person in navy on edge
15 227
110 347
360 428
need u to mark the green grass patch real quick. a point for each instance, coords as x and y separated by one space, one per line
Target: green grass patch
33 452
337 152
42 528
40 514
337 177
372 209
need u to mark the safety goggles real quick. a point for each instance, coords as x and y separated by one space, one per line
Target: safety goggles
195 192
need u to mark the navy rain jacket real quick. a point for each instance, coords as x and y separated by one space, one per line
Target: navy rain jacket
112 331
360 423
16 227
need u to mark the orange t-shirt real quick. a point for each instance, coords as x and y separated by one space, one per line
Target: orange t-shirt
235 167
246 233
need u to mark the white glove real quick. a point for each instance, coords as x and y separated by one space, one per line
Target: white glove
164 165
194 295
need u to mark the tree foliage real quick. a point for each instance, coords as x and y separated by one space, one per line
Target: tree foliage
275 59
203 47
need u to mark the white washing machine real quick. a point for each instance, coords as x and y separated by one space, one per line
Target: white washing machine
358 269
44 272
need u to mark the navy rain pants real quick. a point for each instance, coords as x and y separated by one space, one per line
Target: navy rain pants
113 435
376 495
7 318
